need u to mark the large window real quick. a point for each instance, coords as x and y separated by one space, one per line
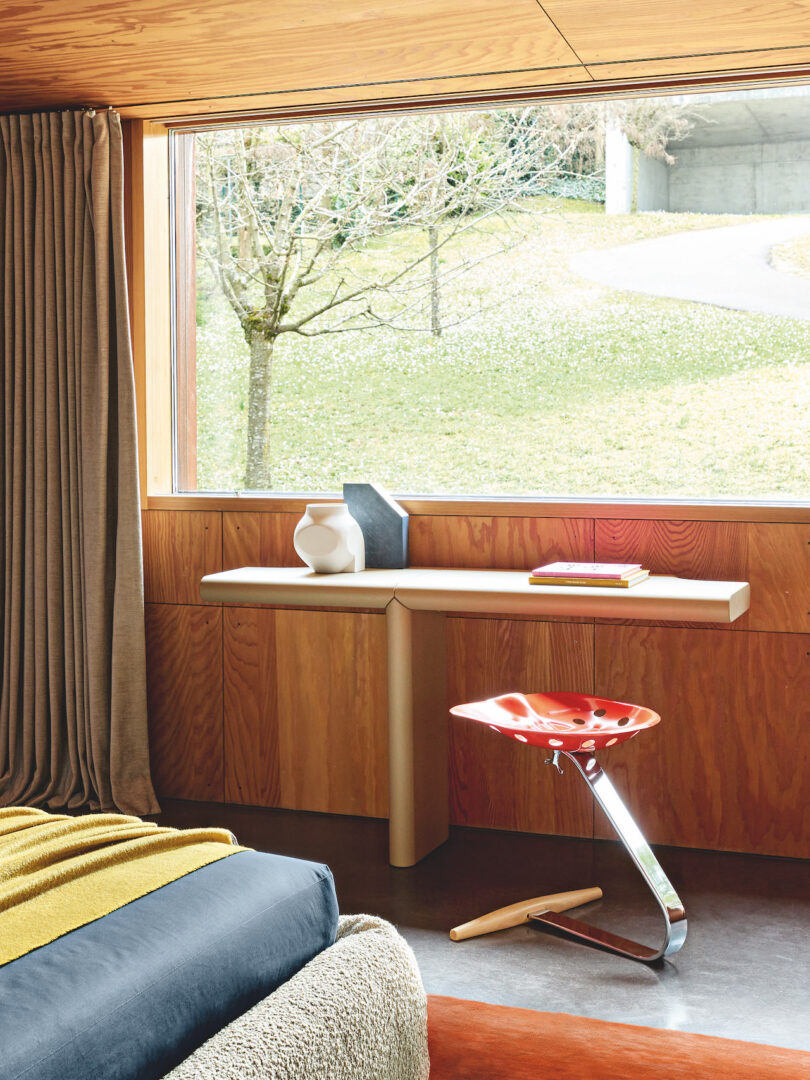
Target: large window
579 299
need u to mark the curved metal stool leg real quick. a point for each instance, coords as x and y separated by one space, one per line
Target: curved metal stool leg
630 835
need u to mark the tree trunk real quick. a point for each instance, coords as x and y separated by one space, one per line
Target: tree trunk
257 468
435 313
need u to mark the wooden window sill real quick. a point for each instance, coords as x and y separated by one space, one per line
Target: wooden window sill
488 506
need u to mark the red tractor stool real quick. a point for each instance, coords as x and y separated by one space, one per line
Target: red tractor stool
576 726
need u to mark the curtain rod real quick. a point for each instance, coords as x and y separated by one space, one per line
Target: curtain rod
90 110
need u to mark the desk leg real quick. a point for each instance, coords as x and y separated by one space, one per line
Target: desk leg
417 733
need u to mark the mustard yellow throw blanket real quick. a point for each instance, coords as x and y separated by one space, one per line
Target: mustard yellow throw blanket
58 872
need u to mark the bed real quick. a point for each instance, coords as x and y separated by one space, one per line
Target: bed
238 968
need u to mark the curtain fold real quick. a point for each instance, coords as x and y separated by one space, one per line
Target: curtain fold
73 728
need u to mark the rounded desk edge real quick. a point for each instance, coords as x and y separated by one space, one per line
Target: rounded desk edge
484 591
299 587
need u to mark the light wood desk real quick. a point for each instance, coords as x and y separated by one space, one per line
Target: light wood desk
415 602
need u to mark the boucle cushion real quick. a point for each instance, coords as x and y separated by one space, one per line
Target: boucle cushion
357 1011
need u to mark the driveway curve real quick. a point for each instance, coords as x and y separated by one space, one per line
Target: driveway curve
728 267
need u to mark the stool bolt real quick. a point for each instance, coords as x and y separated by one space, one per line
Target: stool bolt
555 761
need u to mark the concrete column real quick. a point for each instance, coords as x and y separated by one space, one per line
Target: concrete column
619 169
633 181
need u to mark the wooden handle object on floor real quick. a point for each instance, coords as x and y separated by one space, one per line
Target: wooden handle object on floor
517 914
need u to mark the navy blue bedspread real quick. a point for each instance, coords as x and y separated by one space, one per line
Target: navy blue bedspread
129 996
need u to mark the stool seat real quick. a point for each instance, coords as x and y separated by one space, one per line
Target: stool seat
560 721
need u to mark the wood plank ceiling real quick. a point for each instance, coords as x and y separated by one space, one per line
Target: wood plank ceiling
153 59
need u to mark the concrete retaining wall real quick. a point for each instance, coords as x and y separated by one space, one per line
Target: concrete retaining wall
768 178
652 183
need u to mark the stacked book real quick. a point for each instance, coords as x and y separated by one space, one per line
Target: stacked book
611 575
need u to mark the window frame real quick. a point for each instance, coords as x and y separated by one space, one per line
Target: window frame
160 310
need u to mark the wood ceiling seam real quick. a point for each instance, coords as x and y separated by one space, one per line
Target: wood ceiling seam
349 86
562 35
707 80
752 77
694 55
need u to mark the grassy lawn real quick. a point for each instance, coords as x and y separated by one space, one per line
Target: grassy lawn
793 257
564 387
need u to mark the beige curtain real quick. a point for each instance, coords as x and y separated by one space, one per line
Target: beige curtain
73 700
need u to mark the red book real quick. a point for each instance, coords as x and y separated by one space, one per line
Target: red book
596 571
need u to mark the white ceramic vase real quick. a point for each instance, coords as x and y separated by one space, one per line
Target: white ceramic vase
329 540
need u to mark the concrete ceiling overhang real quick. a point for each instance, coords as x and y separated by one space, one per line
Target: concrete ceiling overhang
729 119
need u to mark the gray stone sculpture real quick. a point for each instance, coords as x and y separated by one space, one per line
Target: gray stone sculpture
384 524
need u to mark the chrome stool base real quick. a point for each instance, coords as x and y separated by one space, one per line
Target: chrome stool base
659 884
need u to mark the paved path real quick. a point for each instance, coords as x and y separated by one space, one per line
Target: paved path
727 267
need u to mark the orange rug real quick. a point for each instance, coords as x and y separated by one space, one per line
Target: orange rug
473 1041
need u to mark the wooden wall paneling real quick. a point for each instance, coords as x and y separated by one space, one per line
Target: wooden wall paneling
779 572
695 549
728 768
496 782
258 539
179 547
250 707
774 558
332 712
184 681
498 543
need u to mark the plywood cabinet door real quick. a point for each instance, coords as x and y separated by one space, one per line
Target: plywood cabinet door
332 711
184 683
251 709
305 722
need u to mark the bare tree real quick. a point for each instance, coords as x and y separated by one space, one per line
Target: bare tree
286 215
652 124
487 163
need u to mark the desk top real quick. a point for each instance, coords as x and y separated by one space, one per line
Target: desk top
497 592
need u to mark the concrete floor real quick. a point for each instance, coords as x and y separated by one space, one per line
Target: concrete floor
743 972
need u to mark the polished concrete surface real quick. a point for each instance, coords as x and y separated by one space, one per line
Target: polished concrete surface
744 972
